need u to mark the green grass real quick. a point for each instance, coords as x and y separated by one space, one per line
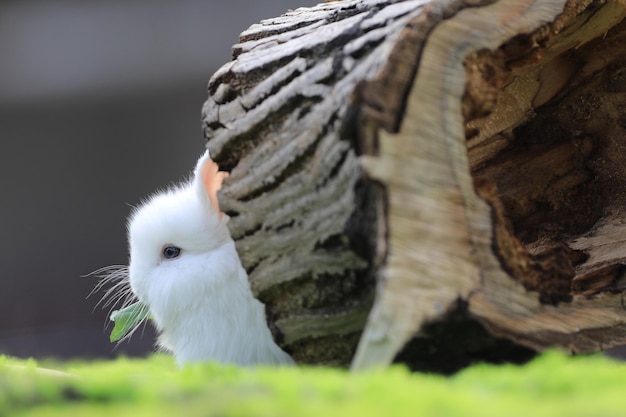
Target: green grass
552 385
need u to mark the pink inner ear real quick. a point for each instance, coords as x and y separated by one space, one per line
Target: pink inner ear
212 180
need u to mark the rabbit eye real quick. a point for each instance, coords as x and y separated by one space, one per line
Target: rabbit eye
171 252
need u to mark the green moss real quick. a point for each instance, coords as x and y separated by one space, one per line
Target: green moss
552 385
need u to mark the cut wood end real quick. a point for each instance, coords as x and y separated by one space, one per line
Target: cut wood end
546 143
560 171
545 138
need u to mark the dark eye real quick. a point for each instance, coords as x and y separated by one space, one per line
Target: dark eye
171 252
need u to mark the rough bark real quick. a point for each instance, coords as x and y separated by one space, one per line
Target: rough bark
457 161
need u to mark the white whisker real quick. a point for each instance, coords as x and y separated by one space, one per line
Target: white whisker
114 281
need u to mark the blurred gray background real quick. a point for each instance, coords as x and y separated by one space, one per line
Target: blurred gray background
99 106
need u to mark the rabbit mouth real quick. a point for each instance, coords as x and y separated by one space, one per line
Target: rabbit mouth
126 309
128 320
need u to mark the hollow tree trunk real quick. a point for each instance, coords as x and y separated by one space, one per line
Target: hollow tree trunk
435 181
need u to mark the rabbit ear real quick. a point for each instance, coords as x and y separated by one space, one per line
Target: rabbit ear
209 180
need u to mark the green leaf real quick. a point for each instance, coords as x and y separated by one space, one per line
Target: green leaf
127 319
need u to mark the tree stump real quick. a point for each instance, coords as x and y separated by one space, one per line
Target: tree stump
435 182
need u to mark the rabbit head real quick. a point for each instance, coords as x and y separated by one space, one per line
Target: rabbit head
176 241
185 268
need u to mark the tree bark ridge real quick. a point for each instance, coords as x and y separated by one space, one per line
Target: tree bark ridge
305 219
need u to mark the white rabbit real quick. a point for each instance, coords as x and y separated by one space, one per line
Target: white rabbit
185 268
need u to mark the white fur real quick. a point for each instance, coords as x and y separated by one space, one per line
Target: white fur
201 301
